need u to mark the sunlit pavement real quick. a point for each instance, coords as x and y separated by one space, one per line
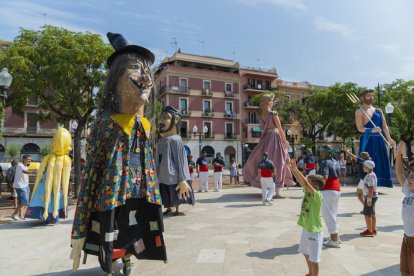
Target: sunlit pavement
226 233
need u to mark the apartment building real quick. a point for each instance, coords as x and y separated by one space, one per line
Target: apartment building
207 92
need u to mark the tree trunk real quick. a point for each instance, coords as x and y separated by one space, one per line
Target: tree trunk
77 159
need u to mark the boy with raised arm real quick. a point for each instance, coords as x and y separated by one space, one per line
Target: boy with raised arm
310 218
407 247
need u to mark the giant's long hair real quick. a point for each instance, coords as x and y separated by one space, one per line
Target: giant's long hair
264 99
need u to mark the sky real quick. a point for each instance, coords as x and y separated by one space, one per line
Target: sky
319 41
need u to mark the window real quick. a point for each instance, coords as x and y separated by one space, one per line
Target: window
207 85
31 119
183 83
229 87
256 132
206 106
228 109
183 105
268 85
259 84
252 118
184 129
209 130
229 131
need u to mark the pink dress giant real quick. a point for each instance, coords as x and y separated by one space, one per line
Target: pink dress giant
273 144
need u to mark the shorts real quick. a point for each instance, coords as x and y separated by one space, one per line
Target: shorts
369 210
407 255
23 195
311 245
360 184
342 170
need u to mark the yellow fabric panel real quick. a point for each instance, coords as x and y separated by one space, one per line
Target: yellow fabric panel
126 121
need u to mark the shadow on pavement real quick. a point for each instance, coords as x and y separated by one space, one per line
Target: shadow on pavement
86 272
27 224
348 237
243 205
348 215
392 270
233 198
274 252
390 228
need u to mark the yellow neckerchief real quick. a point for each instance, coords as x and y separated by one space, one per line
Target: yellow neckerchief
126 121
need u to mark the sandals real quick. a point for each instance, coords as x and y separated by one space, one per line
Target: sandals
169 210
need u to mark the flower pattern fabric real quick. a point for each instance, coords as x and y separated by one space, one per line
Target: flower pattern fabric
109 179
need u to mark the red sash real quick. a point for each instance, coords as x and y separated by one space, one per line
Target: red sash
332 184
266 173
310 166
218 168
191 170
203 168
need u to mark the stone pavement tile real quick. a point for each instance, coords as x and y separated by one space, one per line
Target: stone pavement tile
273 268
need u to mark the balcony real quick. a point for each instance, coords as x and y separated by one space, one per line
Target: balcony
252 122
249 104
185 112
229 94
206 92
185 135
258 87
209 136
230 114
208 113
229 136
174 89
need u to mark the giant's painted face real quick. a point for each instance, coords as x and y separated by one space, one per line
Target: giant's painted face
368 98
166 126
136 82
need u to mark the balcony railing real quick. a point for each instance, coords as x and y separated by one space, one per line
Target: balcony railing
209 136
229 114
250 121
207 92
255 87
229 136
229 94
250 104
174 89
208 113
185 112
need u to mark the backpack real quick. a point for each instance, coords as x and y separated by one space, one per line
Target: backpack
10 174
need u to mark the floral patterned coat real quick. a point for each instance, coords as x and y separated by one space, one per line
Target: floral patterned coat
109 180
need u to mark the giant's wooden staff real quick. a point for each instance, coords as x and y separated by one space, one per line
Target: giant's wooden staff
354 99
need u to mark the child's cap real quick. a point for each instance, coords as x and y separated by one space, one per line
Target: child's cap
365 155
369 164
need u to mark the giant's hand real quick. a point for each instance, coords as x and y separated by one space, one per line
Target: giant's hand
183 190
75 254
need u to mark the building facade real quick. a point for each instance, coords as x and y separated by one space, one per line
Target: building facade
207 92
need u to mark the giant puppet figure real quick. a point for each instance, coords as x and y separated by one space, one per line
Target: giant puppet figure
274 142
370 121
172 164
119 207
49 200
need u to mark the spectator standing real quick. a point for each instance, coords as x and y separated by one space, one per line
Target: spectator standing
267 172
329 169
310 163
361 173
21 184
300 164
10 179
342 169
234 171
218 164
202 170
370 198
191 166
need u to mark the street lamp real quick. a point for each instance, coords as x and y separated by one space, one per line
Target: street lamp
245 147
200 136
291 138
5 82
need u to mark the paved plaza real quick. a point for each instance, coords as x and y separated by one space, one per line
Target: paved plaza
225 233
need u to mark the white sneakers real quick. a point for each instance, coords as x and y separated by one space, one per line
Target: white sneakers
330 243
267 202
16 217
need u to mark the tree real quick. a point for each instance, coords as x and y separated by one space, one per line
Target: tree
45 150
401 94
12 150
64 70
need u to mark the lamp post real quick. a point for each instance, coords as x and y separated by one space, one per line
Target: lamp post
291 138
245 147
5 82
200 136
389 109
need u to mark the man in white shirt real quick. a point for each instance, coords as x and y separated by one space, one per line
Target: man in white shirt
21 184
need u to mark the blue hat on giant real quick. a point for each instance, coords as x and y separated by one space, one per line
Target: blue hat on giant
121 45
